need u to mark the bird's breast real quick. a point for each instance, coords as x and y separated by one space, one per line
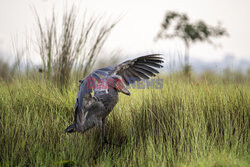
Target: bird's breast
108 98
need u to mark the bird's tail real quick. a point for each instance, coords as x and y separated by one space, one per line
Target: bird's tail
71 128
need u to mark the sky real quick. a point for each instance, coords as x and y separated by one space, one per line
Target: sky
139 24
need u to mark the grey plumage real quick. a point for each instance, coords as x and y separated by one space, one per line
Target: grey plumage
106 83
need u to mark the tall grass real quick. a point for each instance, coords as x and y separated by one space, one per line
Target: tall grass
4 70
195 123
77 43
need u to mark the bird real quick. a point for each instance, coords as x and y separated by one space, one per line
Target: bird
107 83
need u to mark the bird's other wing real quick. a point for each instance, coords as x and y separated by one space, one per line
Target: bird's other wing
87 86
140 68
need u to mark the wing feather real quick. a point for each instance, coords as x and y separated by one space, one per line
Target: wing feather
140 68
133 76
148 68
126 78
138 73
149 73
150 64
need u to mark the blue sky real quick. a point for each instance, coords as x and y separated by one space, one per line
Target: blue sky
140 23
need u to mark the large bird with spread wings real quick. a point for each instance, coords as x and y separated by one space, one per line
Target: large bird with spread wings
91 110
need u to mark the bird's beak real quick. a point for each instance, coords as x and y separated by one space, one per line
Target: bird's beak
120 86
125 91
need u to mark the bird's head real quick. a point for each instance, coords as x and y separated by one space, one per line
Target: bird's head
116 82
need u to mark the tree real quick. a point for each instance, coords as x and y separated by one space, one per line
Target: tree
179 25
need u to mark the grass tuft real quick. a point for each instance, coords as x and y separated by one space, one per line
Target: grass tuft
183 124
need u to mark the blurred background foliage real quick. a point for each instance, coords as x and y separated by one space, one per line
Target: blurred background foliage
179 25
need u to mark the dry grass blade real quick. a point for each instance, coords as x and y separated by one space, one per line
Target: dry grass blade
60 51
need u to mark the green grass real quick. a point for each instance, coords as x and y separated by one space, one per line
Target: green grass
184 124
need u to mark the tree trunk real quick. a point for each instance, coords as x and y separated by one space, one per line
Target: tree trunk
187 67
186 59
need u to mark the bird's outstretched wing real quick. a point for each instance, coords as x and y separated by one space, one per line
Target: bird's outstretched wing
132 70
140 68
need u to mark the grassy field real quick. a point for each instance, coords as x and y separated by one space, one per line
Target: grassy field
183 124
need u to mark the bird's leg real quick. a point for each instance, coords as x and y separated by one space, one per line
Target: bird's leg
101 132
101 127
105 140
104 132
